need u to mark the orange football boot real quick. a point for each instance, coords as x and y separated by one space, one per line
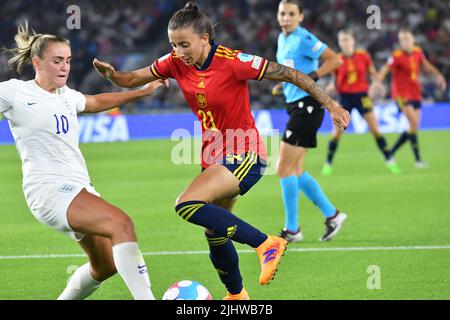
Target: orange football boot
243 295
270 253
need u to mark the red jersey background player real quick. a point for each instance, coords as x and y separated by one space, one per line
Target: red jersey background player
405 65
214 82
352 85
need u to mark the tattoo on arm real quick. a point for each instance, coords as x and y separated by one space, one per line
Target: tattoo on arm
279 72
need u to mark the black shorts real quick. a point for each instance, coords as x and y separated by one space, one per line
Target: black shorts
416 104
361 101
248 168
305 118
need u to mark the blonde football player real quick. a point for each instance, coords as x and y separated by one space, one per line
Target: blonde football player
42 114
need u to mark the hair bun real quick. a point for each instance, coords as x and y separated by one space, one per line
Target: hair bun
191 6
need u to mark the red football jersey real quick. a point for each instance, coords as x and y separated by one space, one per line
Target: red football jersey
218 94
351 76
405 69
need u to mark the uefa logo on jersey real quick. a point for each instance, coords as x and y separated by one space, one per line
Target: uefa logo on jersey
244 57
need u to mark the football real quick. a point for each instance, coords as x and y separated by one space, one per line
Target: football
187 290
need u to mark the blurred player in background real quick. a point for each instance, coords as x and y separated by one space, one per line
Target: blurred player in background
352 85
42 114
301 50
405 65
213 79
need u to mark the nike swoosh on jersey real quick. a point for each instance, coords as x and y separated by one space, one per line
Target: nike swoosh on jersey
31 103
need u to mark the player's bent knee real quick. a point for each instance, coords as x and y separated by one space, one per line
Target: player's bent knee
285 171
124 225
181 198
187 197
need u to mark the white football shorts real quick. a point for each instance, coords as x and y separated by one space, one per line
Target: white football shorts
49 203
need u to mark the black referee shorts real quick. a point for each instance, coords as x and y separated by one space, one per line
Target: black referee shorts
305 118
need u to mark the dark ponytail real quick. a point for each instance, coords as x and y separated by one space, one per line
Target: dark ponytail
191 6
191 17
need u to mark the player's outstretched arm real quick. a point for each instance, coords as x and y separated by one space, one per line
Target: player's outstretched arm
106 101
279 72
430 69
123 79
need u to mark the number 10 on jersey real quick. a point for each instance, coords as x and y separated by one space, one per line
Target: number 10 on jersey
62 124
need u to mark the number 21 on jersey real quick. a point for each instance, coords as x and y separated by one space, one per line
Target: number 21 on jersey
207 120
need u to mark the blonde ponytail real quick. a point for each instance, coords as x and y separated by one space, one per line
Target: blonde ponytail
28 46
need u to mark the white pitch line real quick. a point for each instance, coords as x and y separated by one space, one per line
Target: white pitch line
290 249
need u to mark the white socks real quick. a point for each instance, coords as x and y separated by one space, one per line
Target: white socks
131 266
81 285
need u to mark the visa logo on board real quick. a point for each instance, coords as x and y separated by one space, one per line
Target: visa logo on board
103 128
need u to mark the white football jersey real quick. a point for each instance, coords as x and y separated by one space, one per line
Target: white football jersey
45 129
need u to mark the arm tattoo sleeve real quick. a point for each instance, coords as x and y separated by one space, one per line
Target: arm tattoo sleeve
279 72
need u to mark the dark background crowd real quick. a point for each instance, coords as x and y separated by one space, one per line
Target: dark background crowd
131 34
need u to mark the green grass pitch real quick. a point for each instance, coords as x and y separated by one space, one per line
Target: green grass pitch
408 210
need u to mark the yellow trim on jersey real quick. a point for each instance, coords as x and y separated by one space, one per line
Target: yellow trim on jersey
361 51
224 56
222 48
225 50
397 53
244 168
155 73
263 70
226 53
400 52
